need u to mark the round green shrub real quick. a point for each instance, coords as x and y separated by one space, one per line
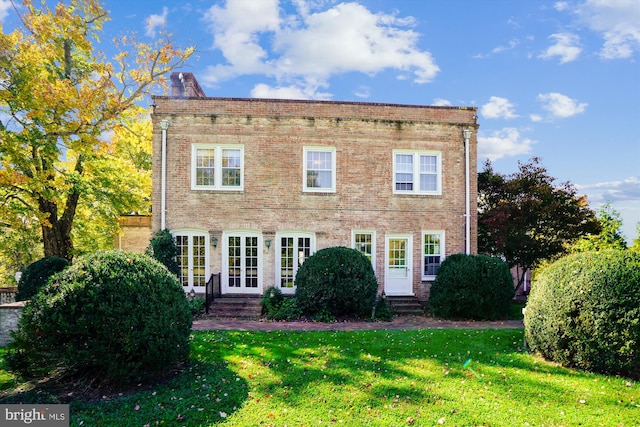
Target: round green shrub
584 312
112 316
472 287
338 281
36 275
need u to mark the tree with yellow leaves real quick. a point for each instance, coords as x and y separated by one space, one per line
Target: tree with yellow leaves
61 102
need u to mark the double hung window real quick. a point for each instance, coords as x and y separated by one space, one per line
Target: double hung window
417 172
319 170
217 167
432 253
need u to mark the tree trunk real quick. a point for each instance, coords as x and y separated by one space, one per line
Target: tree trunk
56 235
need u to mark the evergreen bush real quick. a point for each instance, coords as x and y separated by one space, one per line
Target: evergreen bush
276 306
584 312
112 316
163 248
36 275
472 287
336 281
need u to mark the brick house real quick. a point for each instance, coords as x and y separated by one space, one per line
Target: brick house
252 187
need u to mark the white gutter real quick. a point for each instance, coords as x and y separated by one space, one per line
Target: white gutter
164 125
466 134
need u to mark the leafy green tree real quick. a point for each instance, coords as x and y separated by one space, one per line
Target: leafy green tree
636 242
610 236
60 99
526 217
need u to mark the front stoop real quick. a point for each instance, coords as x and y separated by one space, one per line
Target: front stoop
239 307
405 306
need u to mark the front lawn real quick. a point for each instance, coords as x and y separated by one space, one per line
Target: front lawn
365 378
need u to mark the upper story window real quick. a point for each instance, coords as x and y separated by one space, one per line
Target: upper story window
319 171
417 172
217 167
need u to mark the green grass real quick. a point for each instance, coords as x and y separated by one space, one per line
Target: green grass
368 378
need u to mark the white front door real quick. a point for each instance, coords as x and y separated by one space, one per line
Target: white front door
398 278
192 259
242 269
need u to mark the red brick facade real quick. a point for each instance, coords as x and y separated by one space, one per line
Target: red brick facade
272 204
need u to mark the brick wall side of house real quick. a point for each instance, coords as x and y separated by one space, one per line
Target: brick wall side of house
135 234
274 133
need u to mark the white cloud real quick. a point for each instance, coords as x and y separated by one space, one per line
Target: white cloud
441 102
155 21
5 6
565 47
287 92
503 143
498 108
308 48
617 21
561 106
362 92
614 191
560 6
535 117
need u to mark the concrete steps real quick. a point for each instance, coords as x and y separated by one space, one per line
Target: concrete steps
405 306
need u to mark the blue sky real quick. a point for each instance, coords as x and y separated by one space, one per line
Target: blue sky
559 80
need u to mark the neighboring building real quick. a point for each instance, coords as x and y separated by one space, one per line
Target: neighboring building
252 187
135 233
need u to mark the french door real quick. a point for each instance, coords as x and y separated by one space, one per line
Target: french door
193 256
292 249
398 264
242 269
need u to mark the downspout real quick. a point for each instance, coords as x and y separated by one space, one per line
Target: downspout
164 125
466 134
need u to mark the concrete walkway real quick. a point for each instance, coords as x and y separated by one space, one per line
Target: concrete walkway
405 322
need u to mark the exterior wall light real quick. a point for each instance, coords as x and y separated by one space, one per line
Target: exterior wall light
267 243
214 242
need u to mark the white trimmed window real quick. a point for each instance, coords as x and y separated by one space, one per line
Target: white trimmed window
365 242
432 253
217 167
319 170
417 172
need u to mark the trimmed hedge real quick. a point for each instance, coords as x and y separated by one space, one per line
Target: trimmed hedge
472 287
163 248
36 275
584 312
112 316
336 281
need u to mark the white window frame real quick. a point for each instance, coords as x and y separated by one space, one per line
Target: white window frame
320 149
373 244
218 148
441 234
297 261
416 154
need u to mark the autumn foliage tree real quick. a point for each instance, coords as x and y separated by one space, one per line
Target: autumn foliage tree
60 101
526 217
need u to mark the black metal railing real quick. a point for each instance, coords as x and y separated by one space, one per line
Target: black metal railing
212 290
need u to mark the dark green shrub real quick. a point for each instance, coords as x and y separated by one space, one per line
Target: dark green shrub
337 281
197 305
112 316
36 275
383 310
163 248
472 287
584 311
276 306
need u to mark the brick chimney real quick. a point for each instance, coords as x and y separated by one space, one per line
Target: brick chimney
185 85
